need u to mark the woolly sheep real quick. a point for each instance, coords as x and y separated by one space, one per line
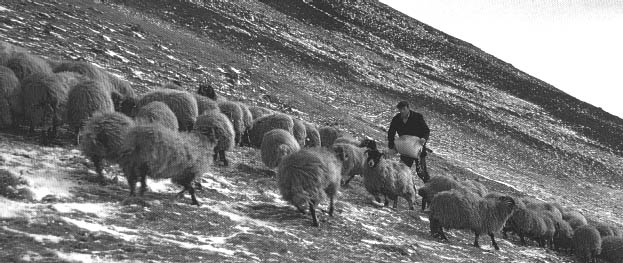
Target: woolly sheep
122 94
544 206
307 178
266 123
205 104
328 135
313 136
277 144
389 178
465 210
102 138
85 69
10 91
258 111
526 223
437 184
182 103
574 218
587 243
209 92
604 228
85 99
353 160
247 117
345 138
24 65
612 249
158 152
563 237
158 113
7 51
233 111
44 97
216 124
299 131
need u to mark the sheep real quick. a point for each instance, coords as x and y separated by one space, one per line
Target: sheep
389 178
205 104
44 98
544 206
313 136
84 100
587 243
7 51
233 111
102 138
216 124
24 65
122 94
182 103
353 160
299 131
159 113
547 240
574 218
86 69
209 92
307 178
563 237
345 138
442 183
162 153
526 223
10 91
266 123
277 144
612 249
328 135
604 229
247 120
465 210
258 111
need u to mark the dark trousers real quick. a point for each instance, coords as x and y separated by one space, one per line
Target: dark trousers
420 165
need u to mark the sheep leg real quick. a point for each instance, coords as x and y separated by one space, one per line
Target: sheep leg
223 158
331 203
411 205
476 237
97 162
436 229
191 191
143 170
215 157
312 211
386 201
495 244
395 202
132 183
424 201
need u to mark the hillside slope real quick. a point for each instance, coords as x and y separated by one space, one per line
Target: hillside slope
343 63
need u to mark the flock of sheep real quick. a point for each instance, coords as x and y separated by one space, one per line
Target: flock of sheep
171 133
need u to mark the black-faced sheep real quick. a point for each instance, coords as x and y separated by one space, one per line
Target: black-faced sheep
587 243
10 91
182 103
158 152
353 160
24 65
389 178
205 104
233 111
574 218
216 124
308 177
299 131
157 112
313 136
85 99
612 249
465 210
102 138
328 135
277 144
209 92
265 124
258 112
44 97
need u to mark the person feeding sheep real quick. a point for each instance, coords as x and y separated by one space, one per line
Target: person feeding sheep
410 123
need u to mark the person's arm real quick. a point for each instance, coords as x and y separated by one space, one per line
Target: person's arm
391 133
424 128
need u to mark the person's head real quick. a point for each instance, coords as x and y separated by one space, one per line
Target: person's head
404 109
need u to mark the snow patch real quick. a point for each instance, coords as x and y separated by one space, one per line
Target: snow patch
205 247
36 237
93 227
101 210
4 9
12 209
372 242
50 182
247 220
74 257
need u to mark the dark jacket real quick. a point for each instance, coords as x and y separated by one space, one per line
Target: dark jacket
415 126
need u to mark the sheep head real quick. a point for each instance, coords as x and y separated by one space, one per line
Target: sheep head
374 157
368 143
207 91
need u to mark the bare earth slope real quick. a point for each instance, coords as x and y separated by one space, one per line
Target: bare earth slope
343 64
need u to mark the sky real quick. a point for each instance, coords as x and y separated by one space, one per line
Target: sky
574 45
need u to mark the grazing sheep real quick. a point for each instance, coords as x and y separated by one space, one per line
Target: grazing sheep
604 229
158 152
205 104
247 121
10 91
86 69
266 123
158 113
526 223
353 160
612 249
465 210
233 111
216 124
277 144
313 136
441 183
44 97
182 103
299 131
308 177
563 237
102 138
258 112
574 218
328 135
24 65
587 243
122 94
209 92
543 206
389 178
85 99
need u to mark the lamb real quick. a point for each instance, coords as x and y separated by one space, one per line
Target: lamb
216 124
328 135
441 183
205 104
102 138
277 144
158 113
307 178
10 91
313 136
182 103
574 218
612 249
265 124
162 153
299 131
44 97
587 243
257 112
233 111
460 209
24 65
85 99
389 178
353 160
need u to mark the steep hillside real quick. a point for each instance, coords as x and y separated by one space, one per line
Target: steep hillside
343 63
